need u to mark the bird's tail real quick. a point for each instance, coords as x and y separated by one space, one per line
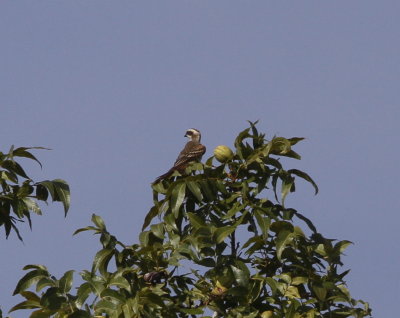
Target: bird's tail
165 175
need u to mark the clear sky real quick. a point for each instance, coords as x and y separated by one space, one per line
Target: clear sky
111 87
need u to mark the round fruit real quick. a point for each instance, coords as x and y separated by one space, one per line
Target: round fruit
223 153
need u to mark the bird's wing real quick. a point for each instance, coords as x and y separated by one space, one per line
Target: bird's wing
192 151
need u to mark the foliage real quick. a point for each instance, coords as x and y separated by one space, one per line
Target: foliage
20 195
217 240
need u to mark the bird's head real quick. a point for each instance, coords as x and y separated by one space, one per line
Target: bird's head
193 134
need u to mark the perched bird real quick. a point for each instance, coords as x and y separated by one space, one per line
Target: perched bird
193 151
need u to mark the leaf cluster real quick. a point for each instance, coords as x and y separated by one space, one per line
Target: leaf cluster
20 195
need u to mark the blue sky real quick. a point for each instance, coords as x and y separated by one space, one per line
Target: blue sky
111 87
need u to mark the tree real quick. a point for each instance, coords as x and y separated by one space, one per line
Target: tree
218 241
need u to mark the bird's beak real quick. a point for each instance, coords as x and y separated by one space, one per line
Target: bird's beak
185 135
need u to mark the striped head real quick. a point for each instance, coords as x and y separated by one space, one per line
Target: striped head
193 134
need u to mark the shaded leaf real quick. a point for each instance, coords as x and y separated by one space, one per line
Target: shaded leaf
195 189
27 304
150 216
221 233
263 222
305 176
65 282
158 230
101 260
292 292
88 228
29 279
284 238
241 275
177 197
196 220
62 193
82 294
121 282
192 311
23 152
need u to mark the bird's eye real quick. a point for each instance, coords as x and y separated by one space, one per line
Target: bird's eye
189 132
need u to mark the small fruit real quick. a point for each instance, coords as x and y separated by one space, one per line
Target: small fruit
223 153
267 314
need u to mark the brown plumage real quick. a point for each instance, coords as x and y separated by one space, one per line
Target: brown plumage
193 151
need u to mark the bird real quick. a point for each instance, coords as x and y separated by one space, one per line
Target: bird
193 151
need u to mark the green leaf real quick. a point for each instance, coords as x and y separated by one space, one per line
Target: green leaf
207 191
47 185
281 226
45 282
299 280
41 192
195 189
14 167
307 221
292 292
8 176
154 298
52 299
305 176
158 230
287 186
177 197
280 146
105 306
263 222
59 191
207 262
29 279
221 233
113 295
27 304
238 291
239 142
144 238
121 282
284 238
65 282
171 222
295 140
62 193
98 221
292 154
101 260
234 208
88 228
342 245
35 266
32 206
192 311
150 216
195 220
242 275
272 284
28 295
127 310
22 152
82 294
320 292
